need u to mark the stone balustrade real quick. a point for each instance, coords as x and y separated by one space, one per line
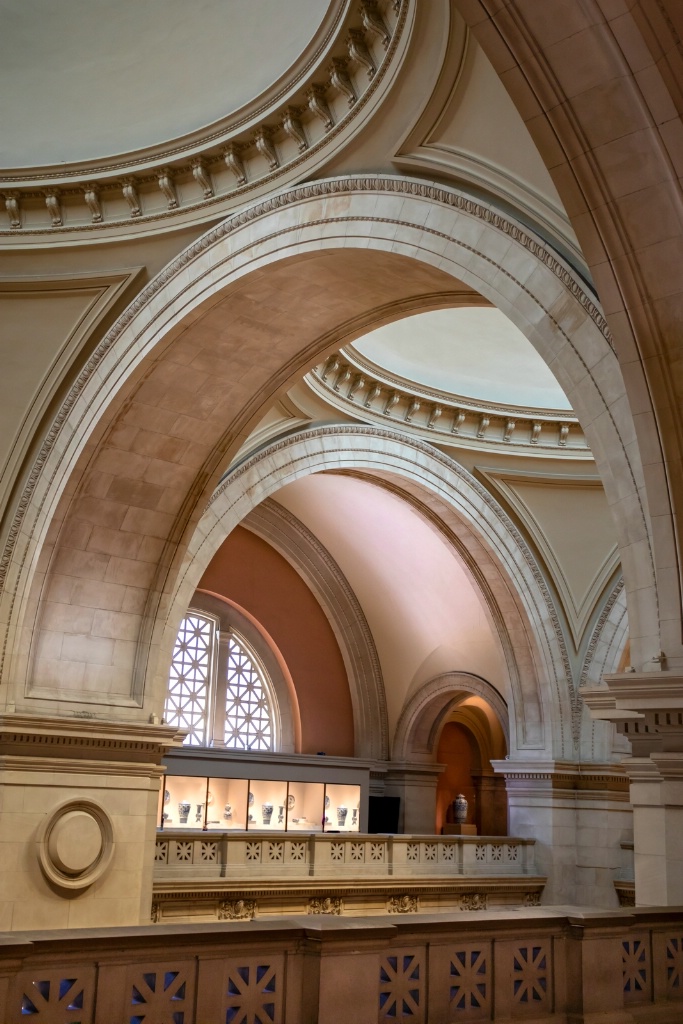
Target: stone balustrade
544 965
258 855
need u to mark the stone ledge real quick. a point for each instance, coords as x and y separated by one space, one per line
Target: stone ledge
26 739
365 897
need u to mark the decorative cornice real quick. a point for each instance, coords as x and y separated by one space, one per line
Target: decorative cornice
360 389
564 775
230 159
38 737
170 890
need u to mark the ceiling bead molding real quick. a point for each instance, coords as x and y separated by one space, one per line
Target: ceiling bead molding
360 389
278 136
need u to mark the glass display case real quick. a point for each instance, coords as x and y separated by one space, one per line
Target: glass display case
267 805
342 808
226 805
220 804
305 806
184 803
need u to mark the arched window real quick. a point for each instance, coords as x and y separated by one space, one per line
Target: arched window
219 689
248 713
187 700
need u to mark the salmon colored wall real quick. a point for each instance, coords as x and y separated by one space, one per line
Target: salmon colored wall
458 751
250 572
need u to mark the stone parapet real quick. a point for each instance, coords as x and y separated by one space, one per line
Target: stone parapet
552 965
253 857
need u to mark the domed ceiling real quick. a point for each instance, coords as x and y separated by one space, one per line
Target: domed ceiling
472 351
83 79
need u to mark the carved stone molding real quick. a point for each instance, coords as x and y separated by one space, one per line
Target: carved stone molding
476 901
401 186
381 190
361 389
626 893
183 900
328 87
46 742
646 707
75 844
615 605
403 904
401 453
423 713
326 905
236 910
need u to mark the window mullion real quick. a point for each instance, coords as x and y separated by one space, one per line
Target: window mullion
220 682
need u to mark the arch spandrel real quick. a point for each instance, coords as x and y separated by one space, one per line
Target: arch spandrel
154 393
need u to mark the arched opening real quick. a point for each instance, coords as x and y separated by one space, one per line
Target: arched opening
187 374
471 738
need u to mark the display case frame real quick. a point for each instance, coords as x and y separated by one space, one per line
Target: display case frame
297 788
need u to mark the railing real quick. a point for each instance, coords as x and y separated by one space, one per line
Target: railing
554 967
201 855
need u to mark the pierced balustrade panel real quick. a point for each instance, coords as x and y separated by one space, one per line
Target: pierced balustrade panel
402 987
674 966
160 992
54 996
231 854
253 990
637 973
497 857
531 978
470 976
446 973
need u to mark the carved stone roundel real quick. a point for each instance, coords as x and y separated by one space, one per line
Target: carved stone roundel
75 844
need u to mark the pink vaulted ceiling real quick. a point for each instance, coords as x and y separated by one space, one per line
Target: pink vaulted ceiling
425 615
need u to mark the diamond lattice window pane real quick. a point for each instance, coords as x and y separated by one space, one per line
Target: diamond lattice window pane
248 716
188 687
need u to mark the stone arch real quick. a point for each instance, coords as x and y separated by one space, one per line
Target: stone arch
592 82
417 728
602 656
118 489
494 552
303 550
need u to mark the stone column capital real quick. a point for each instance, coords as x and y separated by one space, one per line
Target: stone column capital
597 777
647 708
